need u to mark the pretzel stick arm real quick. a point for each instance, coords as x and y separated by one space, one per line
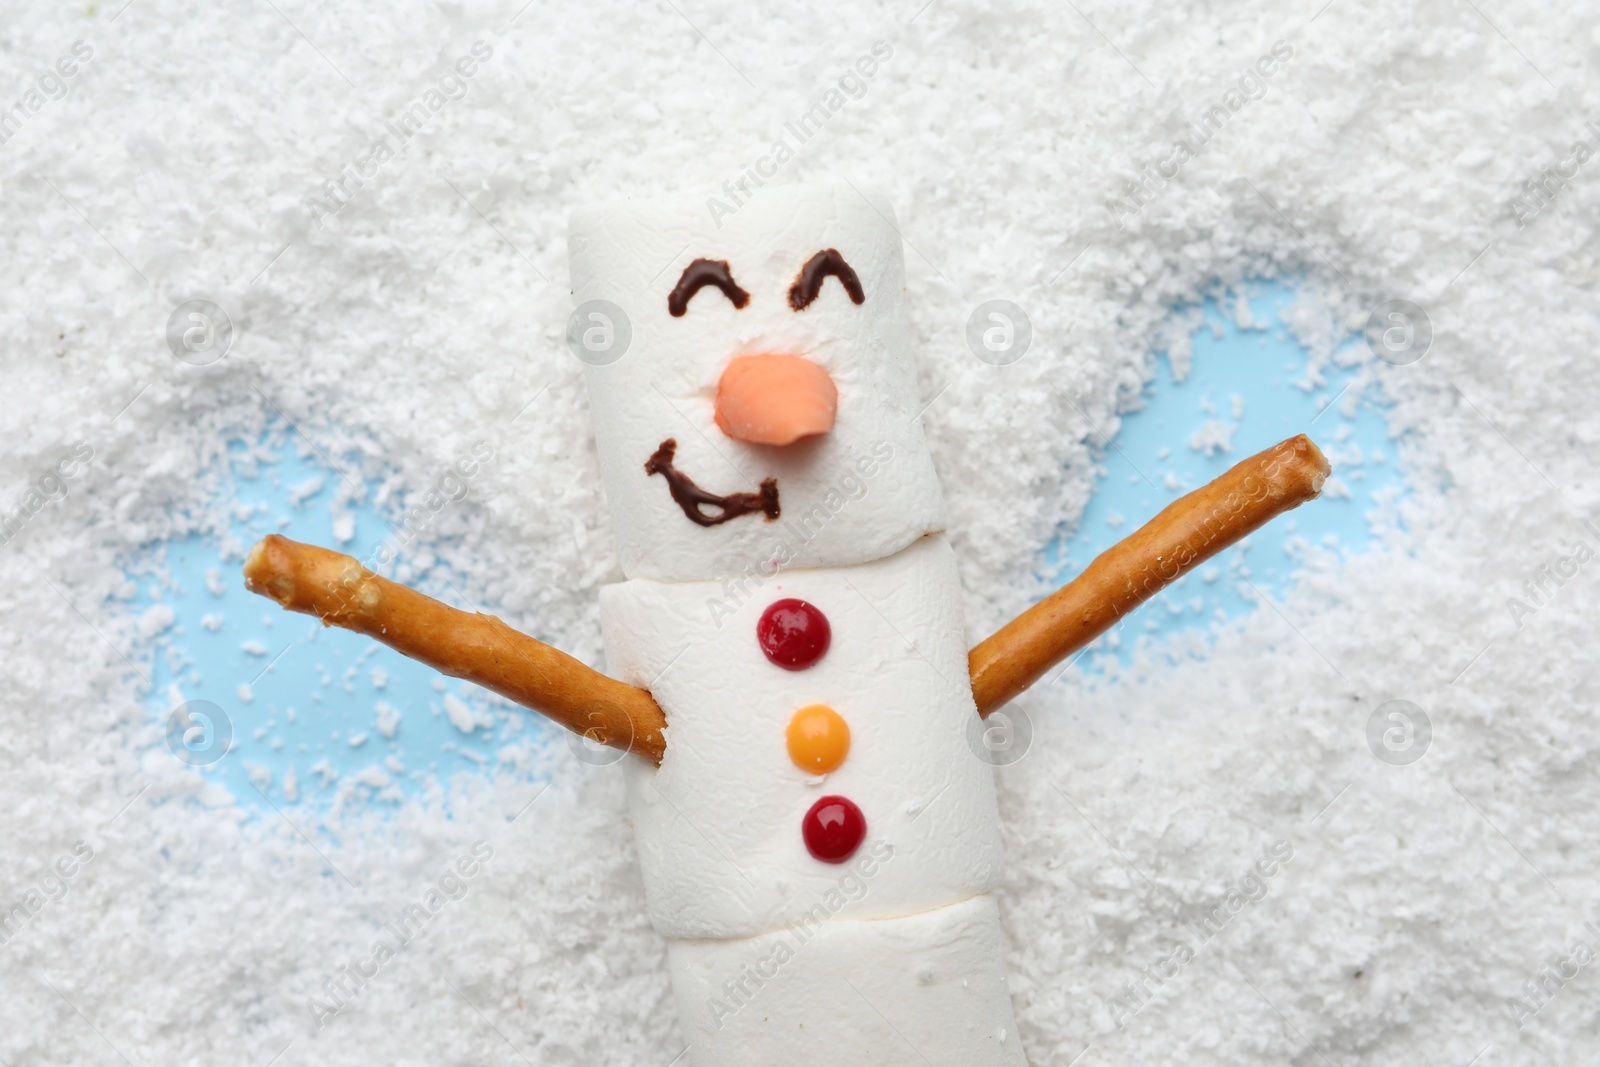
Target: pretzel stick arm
1186 533
478 648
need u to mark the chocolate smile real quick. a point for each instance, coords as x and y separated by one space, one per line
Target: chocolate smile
691 498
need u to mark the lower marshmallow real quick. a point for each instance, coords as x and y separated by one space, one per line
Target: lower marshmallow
925 989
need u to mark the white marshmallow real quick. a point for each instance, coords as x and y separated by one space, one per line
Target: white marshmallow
718 823
833 513
908 992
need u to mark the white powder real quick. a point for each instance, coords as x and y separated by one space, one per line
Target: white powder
1215 436
464 718
1378 161
388 717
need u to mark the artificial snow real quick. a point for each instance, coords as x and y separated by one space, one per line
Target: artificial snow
1428 914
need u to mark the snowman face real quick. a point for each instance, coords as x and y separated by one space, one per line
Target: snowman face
720 454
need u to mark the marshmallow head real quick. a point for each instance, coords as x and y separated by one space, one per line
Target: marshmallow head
771 347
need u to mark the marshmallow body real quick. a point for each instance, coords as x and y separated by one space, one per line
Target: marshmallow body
664 384
718 823
928 988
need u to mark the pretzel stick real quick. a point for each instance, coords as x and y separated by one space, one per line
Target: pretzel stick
1187 532
479 648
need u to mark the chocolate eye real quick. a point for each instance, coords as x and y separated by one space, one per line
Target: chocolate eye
699 274
816 271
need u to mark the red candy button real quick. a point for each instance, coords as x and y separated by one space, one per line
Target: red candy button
833 829
793 634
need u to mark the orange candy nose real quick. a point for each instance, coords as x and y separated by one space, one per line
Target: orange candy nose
775 400
818 739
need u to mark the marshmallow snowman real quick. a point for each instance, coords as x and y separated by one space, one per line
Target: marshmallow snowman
819 842
820 846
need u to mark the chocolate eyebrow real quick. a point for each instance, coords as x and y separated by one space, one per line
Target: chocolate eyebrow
809 282
699 274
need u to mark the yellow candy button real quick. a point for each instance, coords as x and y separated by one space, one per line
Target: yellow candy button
819 740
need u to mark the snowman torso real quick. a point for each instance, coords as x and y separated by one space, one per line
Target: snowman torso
719 822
